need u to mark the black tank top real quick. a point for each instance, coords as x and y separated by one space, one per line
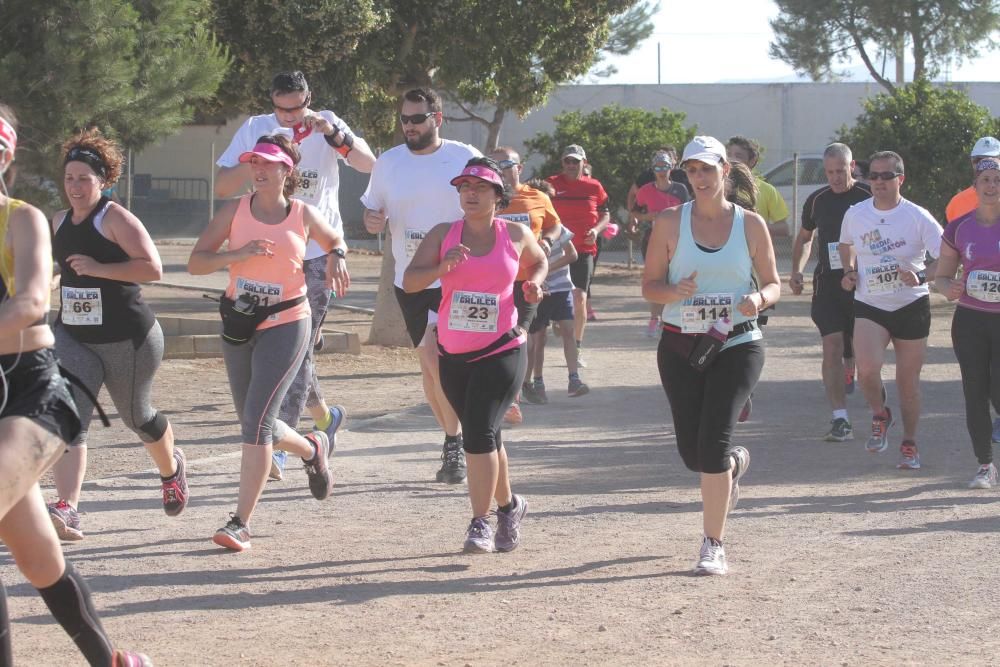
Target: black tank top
97 310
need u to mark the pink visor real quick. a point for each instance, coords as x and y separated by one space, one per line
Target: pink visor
478 173
8 137
269 152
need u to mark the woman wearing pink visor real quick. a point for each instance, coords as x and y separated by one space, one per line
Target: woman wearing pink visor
482 358
266 318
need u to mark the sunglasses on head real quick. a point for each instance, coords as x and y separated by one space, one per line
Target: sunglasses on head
415 119
508 164
883 175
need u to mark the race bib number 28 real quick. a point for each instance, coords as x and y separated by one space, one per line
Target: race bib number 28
81 306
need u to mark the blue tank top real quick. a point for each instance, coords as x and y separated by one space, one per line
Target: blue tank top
724 276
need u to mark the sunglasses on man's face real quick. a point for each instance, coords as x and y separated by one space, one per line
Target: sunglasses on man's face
570 160
300 107
883 175
661 168
508 164
415 119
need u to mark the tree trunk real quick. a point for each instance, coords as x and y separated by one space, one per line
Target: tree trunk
493 134
388 327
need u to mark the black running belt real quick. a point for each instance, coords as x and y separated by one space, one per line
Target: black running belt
89 394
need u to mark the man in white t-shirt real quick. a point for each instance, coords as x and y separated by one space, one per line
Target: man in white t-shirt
410 190
324 141
883 244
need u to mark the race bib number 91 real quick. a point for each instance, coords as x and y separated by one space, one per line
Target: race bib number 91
81 306
882 278
701 311
474 311
983 285
261 293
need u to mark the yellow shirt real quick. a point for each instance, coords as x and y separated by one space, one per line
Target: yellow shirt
770 204
6 253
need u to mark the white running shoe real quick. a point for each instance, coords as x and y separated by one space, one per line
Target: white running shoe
712 559
986 477
741 463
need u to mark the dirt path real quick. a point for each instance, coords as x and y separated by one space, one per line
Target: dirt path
836 557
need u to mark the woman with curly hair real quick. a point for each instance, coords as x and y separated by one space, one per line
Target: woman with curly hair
37 418
105 333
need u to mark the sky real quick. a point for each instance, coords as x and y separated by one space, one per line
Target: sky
699 43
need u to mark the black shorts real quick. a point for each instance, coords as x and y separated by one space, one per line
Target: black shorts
415 308
832 306
911 322
555 307
581 272
37 390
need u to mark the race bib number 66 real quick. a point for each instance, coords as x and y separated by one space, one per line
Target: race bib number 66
82 306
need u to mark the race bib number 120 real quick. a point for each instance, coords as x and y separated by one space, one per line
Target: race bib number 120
81 306
983 285
701 311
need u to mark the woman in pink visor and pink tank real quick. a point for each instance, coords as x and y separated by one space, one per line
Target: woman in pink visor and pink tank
266 318
481 345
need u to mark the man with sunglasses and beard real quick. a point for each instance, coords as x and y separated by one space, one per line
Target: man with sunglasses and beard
410 191
324 140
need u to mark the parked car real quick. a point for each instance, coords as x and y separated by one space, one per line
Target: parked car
811 178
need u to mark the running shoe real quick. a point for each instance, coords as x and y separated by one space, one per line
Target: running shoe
130 659
478 538
909 457
317 468
577 387
278 459
849 381
591 315
986 477
840 431
452 469
879 441
513 415
66 521
538 395
580 361
338 417
652 327
996 431
235 535
741 463
712 559
528 393
175 489
746 411
509 525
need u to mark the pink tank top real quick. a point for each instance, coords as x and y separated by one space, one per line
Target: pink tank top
477 296
270 279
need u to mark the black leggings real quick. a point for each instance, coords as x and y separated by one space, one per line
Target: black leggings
705 405
480 392
976 338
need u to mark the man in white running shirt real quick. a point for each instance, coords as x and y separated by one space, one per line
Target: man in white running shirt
410 190
883 244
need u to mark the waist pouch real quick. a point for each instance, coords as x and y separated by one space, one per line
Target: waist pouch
240 318
466 357
700 350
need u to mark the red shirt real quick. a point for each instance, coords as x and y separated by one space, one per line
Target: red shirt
580 203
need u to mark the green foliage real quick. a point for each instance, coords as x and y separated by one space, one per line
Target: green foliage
933 129
132 68
815 36
619 142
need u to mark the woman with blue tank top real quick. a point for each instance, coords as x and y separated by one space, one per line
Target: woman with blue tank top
973 241
481 336
106 335
710 355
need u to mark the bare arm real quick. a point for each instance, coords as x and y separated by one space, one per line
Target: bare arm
231 181
764 264
361 157
569 256
532 261
947 267
205 256
662 242
319 230
801 249
30 242
124 229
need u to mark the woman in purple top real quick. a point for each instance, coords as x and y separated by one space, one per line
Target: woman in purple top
973 241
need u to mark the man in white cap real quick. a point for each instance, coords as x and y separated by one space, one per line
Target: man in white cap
582 205
966 200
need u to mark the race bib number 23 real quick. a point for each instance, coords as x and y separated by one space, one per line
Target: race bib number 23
476 312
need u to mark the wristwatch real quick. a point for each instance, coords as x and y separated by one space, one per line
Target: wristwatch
339 252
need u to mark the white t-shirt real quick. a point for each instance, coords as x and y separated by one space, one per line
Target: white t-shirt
318 170
885 242
415 192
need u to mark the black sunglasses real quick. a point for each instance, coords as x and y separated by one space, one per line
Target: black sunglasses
883 175
507 164
293 109
415 119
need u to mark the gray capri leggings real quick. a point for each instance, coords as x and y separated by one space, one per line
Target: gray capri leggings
126 370
304 391
260 372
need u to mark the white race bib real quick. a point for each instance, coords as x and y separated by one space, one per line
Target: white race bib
522 218
81 306
261 293
474 311
882 278
412 238
832 250
308 187
983 285
701 311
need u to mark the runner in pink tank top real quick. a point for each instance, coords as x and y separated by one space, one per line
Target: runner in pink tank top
481 342
267 233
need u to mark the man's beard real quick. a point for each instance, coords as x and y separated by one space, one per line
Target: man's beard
421 141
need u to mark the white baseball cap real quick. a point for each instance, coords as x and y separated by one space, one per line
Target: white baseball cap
986 147
704 149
